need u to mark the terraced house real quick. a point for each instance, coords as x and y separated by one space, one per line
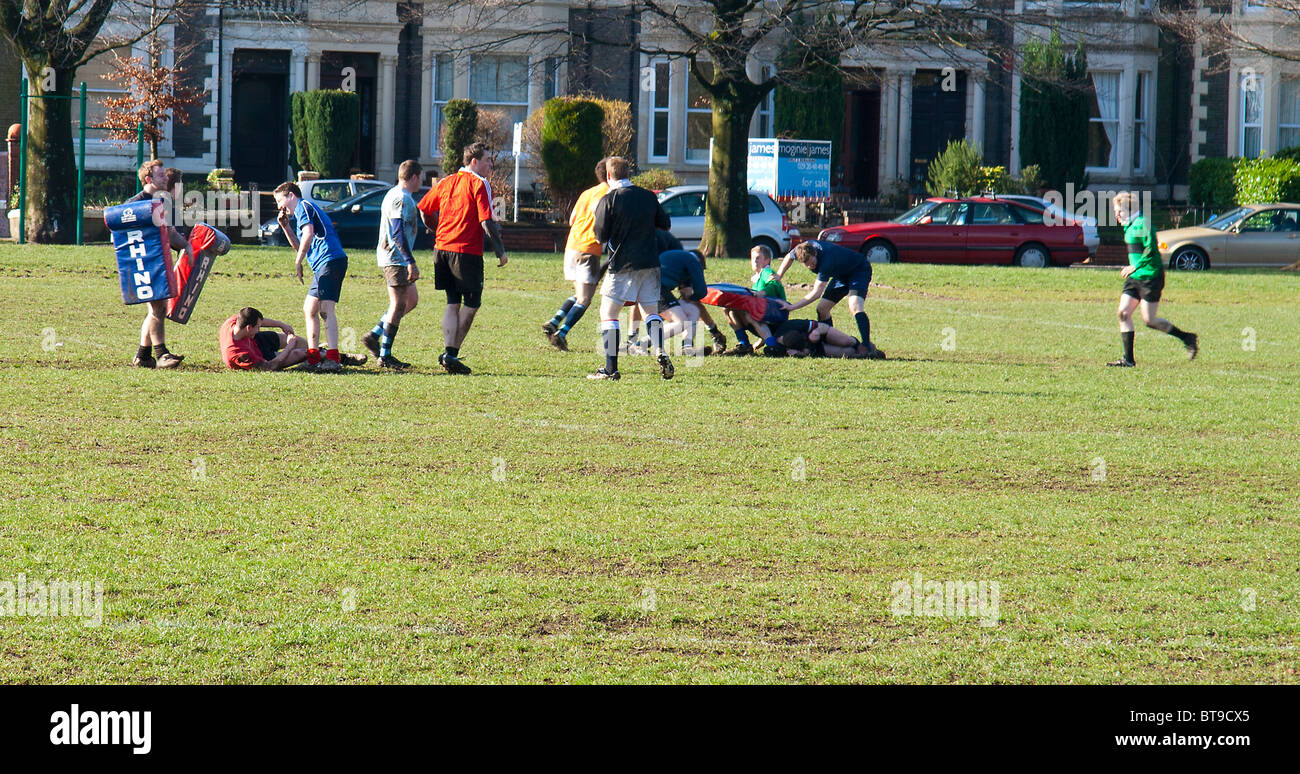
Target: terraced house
1161 98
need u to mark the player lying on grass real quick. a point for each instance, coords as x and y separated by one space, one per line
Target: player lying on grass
1144 281
244 345
809 338
840 272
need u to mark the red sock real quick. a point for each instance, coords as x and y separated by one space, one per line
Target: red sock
332 354
313 356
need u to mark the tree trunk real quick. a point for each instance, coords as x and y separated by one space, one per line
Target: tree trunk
726 214
51 161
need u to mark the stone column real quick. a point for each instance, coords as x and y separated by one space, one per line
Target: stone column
384 162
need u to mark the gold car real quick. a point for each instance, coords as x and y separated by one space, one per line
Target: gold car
1254 235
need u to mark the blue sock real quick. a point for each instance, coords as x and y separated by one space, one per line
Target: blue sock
770 341
575 314
386 340
378 330
563 310
741 336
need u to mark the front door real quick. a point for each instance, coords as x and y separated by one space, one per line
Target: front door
259 119
938 117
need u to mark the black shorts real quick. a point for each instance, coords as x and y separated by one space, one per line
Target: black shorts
460 275
666 298
1148 290
269 344
857 285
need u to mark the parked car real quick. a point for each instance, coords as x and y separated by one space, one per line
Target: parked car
322 193
768 224
1091 238
356 220
1254 235
972 230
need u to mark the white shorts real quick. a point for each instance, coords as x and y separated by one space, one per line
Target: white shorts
581 267
640 286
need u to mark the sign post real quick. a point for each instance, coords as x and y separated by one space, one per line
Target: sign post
518 146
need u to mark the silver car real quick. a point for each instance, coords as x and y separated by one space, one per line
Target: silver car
1091 239
322 193
768 224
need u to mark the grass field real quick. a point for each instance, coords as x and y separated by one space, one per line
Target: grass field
742 523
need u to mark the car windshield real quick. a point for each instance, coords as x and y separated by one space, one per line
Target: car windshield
1227 220
916 213
360 198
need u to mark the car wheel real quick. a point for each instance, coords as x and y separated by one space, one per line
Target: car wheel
769 244
880 251
1189 259
1033 256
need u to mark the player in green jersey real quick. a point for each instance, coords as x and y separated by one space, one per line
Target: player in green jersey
1144 280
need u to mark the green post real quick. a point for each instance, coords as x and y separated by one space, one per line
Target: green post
22 170
81 165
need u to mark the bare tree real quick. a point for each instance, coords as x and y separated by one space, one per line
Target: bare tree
1270 34
718 38
53 39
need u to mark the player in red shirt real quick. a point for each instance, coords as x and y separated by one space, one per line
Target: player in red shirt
245 346
459 212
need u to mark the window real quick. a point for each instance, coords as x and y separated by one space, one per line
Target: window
550 78
687 205
1270 221
1252 130
947 212
766 109
990 215
444 75
328 192
99 88
659 110
1103 121
1141 126
756 205
1288 119
699 116
500 83
1028 215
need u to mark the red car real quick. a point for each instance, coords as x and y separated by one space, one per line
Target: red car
982 229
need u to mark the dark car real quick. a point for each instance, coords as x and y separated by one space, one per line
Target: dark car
356 221
981 229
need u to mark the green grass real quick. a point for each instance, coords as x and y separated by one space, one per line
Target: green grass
253 527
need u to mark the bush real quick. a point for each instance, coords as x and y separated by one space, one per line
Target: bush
657 179
1267 180
1031 179
1054 98
459 125
1210 183
955 170
331 117
298 127
1292 153
571 146
616 134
